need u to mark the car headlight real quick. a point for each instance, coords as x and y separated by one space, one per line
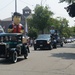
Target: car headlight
48 42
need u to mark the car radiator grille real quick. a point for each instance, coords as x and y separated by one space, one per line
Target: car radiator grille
2 49
42 42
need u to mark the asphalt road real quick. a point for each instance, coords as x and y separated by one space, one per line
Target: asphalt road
60 61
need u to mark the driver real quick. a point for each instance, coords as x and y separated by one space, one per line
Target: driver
52 30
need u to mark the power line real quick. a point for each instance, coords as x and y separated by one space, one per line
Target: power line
26 2
6 6
3 2
44 1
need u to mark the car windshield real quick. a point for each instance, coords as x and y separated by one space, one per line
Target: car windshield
43 36
8 38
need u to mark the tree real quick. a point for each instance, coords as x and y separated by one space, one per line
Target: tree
71 11
72 31
40 17
68 1
71 8
63 27
32 33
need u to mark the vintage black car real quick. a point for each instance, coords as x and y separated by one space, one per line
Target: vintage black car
12 46
44 41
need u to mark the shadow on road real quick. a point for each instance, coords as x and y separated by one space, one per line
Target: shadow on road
64 55
69 45
8 61
42 50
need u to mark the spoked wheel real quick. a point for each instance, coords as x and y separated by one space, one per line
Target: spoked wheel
14 57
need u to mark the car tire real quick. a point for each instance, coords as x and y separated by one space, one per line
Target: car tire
14 57
50 47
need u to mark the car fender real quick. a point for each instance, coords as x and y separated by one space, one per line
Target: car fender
12 50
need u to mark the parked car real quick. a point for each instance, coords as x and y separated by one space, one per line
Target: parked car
12 46
43 41
72 39
67 40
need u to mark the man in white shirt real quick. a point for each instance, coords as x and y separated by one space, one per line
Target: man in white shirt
52 30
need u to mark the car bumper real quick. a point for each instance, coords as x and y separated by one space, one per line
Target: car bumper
41 45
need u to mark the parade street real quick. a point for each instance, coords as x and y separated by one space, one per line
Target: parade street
60 61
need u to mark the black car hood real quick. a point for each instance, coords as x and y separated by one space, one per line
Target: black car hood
43 39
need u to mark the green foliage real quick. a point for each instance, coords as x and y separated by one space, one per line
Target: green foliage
32 33
67 1
72 29
42 21
41 17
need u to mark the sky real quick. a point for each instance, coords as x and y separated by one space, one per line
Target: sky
7 7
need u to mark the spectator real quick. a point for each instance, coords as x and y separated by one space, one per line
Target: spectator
31 42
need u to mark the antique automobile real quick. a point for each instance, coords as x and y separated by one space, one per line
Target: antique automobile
12 46
43 41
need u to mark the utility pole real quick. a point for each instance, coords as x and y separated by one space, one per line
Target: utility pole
41 2
15 5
